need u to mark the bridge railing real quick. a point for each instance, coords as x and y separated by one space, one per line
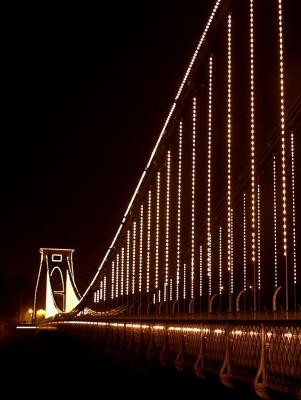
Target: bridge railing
266 354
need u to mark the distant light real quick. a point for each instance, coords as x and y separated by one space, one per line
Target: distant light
41 313
26 327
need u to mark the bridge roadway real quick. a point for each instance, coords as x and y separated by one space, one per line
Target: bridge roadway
263 349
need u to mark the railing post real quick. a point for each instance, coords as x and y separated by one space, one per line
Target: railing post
260 378
164 351
179 361
199 365
225 372
211 298
237 300
275 298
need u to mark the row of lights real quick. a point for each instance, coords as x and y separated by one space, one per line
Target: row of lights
117 276
229 129
128 246
122 272
167 224
193 195
252 128
157 230
141 248
282 125
179 210
244 242
209 272
155 149
149 207
112 280
229 210
293 210
275 222
134 259
220 259
258 239
170 114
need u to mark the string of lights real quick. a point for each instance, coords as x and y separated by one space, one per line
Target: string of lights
128 243
105 288
220 261
258 239
193 196
209 177
229 129
149 208
294 216
275 222
134 259
117 276
244 242
113 280
167 224
141 248
157 230
179 210
122 272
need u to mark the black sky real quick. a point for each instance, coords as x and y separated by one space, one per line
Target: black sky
86 92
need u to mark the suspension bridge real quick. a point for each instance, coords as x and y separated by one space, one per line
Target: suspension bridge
203 270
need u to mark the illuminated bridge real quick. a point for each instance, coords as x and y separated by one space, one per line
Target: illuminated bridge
203 270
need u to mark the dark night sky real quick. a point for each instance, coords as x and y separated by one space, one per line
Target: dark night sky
86 92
